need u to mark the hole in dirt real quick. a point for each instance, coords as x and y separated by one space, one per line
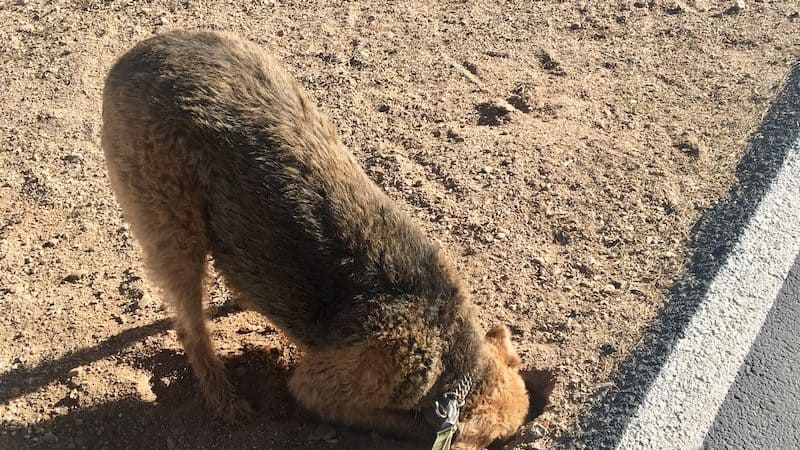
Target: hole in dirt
540 384
492 115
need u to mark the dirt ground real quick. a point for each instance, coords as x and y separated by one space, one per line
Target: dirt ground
560 150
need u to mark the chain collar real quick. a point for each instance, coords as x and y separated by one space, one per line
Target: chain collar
448 408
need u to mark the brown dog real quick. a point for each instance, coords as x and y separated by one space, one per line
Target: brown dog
211 147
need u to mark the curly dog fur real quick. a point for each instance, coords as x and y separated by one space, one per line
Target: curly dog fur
212 148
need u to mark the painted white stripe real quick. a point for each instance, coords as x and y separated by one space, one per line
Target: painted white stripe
684 399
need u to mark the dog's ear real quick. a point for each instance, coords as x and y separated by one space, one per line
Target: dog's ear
500 337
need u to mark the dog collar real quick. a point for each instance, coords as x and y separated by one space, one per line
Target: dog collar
448 409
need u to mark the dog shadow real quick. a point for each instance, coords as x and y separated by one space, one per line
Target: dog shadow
58 369
176 418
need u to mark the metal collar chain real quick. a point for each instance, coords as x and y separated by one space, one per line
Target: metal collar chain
448 409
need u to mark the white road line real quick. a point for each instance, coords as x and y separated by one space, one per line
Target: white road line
684 399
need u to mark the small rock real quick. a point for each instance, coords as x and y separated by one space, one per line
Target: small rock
609 288
71 158
452 136
537 431
608 348
76 372
736 8
676 8
383 108
549 63
501 236
49 438
73 277
323 432
690 144
171 443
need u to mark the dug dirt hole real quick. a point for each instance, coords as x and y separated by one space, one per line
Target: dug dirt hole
540 384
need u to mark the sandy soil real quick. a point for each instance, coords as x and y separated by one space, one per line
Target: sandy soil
561 150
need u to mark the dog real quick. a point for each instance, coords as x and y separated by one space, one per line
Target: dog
212 148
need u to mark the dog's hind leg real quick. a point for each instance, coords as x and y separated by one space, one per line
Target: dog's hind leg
353 386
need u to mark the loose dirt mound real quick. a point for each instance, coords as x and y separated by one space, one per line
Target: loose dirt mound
562 152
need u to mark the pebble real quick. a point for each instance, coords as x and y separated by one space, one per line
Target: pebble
537 431
737 7
608 348
690 144
49 438
73 277
323 432
76 372
676 8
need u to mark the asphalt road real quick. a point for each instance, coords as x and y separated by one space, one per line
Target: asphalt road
762 408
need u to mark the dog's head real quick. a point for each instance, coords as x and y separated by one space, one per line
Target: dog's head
501 408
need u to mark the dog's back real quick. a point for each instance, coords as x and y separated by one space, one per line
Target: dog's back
294 225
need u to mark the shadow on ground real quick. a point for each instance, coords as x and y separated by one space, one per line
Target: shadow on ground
178 419
175 417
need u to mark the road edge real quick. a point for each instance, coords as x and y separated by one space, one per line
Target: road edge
711 241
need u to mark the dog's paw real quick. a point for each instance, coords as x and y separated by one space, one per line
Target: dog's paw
233 410
229 407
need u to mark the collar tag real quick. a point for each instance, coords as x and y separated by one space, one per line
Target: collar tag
444 437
